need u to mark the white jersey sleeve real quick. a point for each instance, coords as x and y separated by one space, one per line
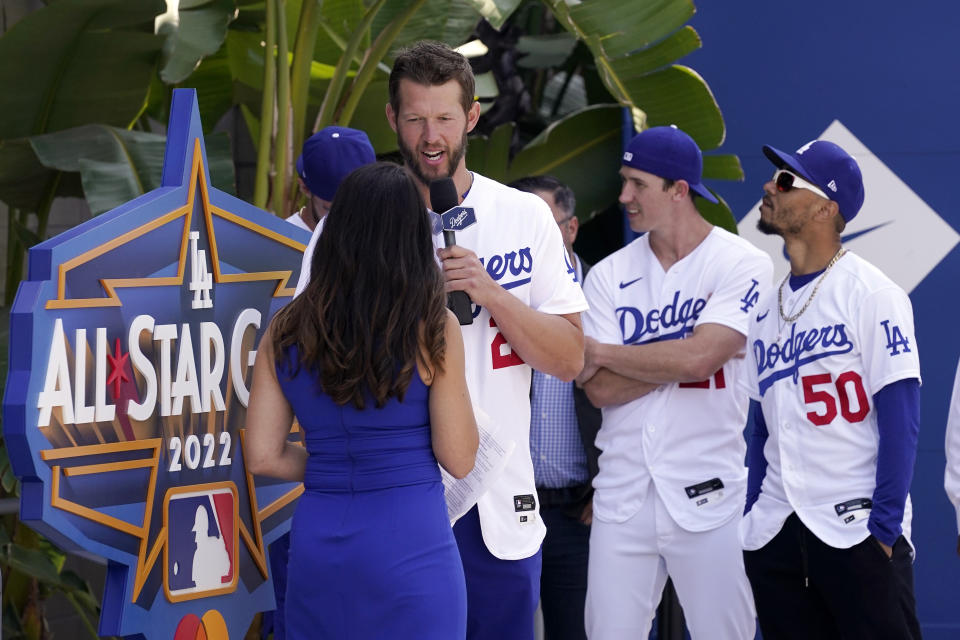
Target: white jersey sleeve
888 349
951 480
749 382
308 258
732 302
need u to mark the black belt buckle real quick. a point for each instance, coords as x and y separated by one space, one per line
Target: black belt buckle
697 490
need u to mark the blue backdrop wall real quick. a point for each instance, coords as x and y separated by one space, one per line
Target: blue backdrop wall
881 77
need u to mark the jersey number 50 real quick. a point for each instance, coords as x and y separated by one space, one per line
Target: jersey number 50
842 385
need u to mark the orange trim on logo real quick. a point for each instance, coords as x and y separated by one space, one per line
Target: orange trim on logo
198 178
144 562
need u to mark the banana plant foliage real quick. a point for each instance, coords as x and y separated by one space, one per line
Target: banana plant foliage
117 165
294 66
78 62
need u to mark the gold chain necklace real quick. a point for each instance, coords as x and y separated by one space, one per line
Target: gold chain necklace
788 319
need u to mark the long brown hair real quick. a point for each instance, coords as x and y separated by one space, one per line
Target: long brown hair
375 292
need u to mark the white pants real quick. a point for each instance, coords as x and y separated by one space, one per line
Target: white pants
628 568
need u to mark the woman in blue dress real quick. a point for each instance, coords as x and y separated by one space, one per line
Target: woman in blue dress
371 363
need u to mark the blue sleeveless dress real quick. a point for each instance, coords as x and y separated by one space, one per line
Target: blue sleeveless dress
372 554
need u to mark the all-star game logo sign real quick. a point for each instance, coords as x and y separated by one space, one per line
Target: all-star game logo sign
131 351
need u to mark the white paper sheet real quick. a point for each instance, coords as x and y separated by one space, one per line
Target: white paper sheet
492 456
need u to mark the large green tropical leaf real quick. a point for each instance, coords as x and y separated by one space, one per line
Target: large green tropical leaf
543 52
660 55
32 562
339 19
215 88
583 151
677 95
77 62
635 49
117 165
68 64
245 57
722 167
488 155
23 180
620 27
199 32
371 117
243 53
717 214
450 21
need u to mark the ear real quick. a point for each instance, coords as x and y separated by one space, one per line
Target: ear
680 189
391 117
827 210
473 116
572 227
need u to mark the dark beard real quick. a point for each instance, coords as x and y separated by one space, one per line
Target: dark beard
770 229
765 227
411 159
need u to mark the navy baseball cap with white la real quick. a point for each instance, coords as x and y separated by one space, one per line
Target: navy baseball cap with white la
669 153
329 155
827 166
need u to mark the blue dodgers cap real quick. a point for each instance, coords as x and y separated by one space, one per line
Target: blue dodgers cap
669 153
829 167
329 155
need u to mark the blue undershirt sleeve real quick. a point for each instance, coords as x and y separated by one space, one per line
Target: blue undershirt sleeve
756 462
898 424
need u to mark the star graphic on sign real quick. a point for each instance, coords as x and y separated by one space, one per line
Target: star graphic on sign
118 371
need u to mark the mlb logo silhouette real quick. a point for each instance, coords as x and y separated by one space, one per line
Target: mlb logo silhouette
200 556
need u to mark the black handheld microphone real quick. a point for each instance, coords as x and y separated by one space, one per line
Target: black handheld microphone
444 198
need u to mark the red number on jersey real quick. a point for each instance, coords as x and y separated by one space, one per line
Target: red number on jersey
502 360
862 402
810 395
719 382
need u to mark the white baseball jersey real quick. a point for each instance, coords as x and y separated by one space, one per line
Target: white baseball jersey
296 220
685 437
519 243
815 379
951 478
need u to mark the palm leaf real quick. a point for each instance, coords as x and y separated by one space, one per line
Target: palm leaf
76 62
117 165
200 32
635 46
583 151
79 62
